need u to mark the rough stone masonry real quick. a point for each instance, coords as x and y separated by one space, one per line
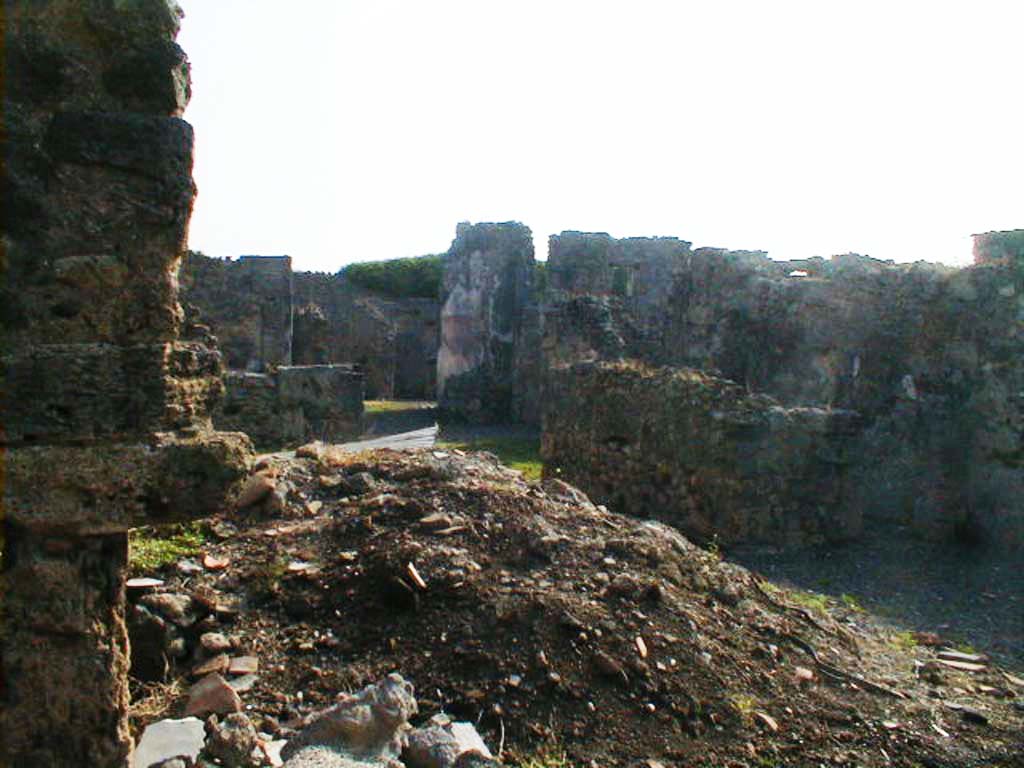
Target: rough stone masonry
106 407
930 359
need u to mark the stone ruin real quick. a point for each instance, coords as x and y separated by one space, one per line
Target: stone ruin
250 304
876 393
266 315
106 403
486 339
904 381
730 394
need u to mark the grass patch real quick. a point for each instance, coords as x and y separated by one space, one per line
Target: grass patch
520 453
744 703
809 600
546 757
152 701
393 406
151 548
904 641
851 603
419 276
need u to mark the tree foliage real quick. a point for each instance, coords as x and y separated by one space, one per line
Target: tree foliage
416 277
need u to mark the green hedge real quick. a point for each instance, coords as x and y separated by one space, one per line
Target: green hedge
417 277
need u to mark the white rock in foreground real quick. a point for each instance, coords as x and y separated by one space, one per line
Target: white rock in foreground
169 738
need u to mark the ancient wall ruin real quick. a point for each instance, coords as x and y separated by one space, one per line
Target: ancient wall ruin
248 303
293 405
931 359
1005 247
266 315
701 453
638 271
487 287
393 340
106 406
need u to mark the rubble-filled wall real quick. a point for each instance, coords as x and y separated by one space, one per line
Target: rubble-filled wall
930 357
1000 248
294 405
699 452
393 340
106 408
248 302
488 274
638 271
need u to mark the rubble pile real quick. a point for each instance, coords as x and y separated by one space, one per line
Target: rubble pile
555 627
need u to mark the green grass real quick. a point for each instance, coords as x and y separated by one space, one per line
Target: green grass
905 641
151 548
519 453
809 600
546 757
851 603
744 703
391 406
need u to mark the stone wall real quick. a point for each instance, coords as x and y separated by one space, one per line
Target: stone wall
106 407
294 405
248 303
930 357
394 341
638 271
1000 248
487 287
699 452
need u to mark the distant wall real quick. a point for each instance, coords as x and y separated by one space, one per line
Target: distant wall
393 340
1000 248
264 314
248 303
294 405
638 271
488 274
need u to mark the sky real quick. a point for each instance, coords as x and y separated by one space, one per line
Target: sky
338 131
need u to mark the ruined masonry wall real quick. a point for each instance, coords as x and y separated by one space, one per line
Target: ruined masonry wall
248 303
294 405
700 453
931 358
264 315
394 341
485 342
106 407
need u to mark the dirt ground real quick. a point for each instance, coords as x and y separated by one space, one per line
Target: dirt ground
558 627
970 595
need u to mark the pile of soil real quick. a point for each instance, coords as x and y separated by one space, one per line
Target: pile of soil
555 625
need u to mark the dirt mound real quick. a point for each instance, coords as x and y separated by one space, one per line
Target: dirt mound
556 625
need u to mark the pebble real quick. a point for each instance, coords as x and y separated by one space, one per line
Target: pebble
214 642
212 694
218 664
243 683
243 665
176 608
256 489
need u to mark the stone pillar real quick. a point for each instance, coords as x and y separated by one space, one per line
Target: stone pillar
106 409
488 274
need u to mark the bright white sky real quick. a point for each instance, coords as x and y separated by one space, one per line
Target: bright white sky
339 131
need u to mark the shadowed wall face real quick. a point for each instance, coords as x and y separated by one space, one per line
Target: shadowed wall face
106 407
